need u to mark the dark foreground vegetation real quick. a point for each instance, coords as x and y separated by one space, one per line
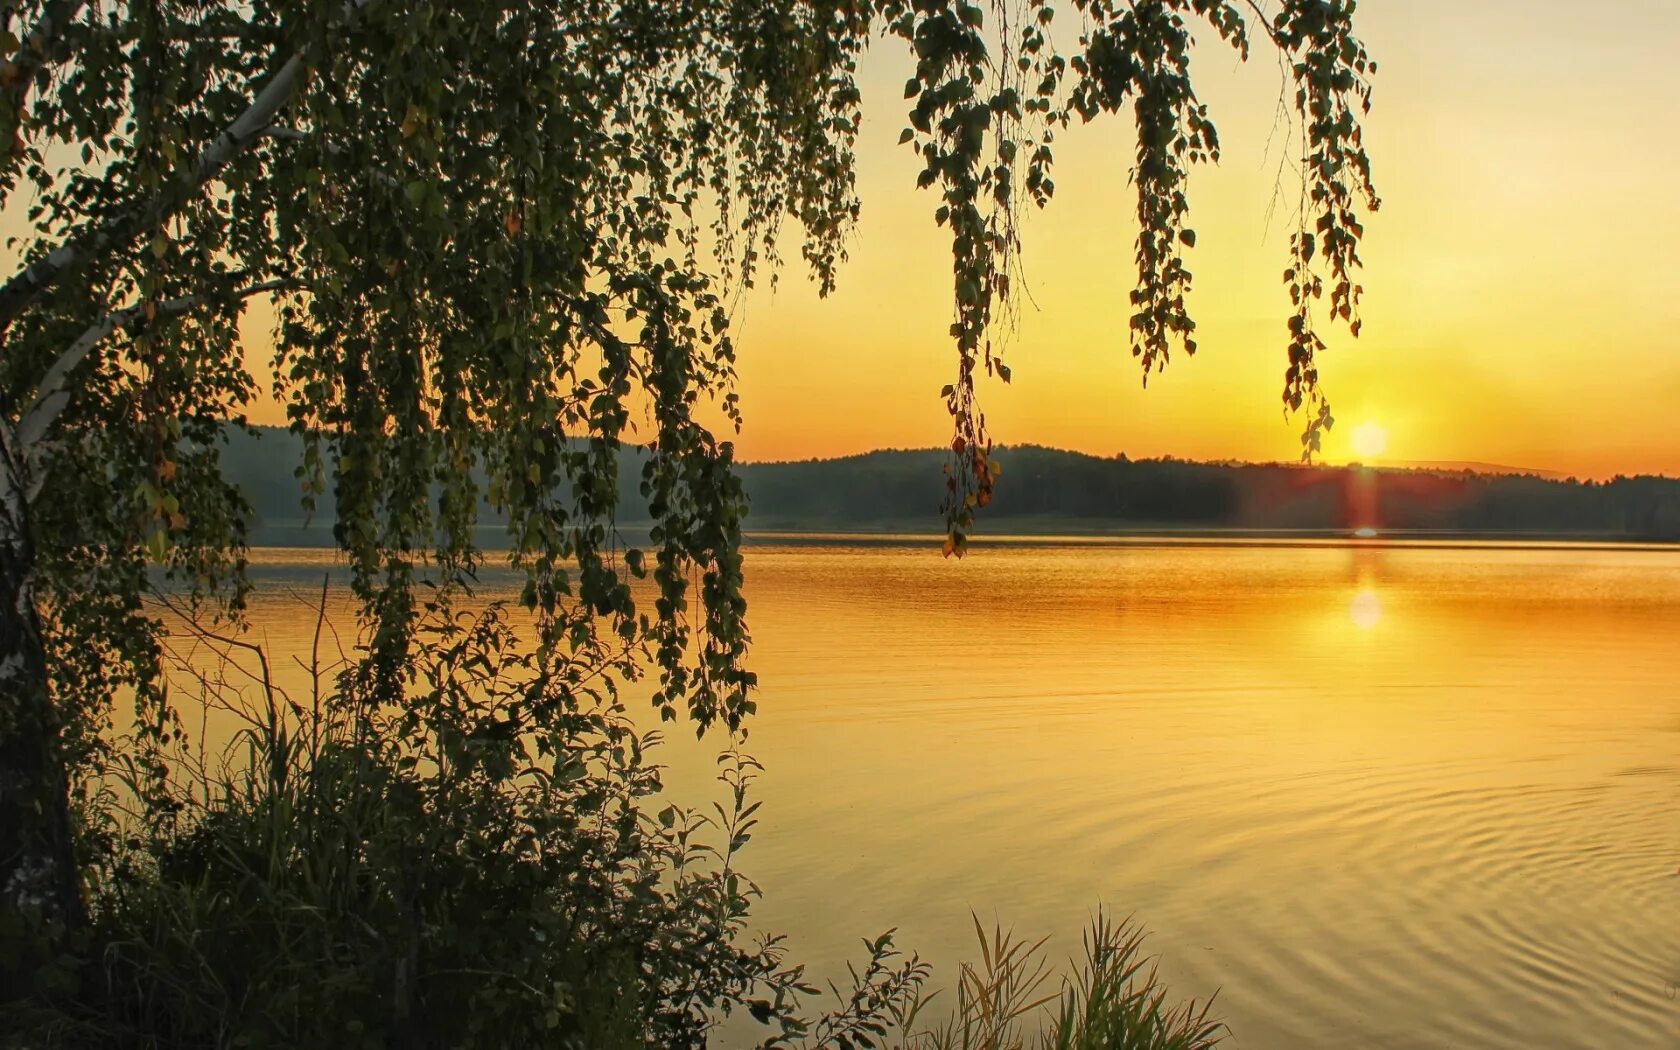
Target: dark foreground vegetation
495 246
329 872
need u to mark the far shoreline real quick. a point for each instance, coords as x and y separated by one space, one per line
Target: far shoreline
319 539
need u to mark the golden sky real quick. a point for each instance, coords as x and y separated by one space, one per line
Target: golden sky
1522 294
1522 301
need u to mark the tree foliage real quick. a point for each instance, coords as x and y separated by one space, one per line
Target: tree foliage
500 242
988 102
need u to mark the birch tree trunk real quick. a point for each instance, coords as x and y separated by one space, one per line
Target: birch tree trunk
40 896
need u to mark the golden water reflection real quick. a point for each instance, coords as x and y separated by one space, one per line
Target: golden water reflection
1374 795
1365 609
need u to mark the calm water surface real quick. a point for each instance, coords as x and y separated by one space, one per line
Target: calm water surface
1418 796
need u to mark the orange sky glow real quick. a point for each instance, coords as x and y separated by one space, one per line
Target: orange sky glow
1522 300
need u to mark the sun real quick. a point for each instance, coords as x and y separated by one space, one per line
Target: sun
1369 440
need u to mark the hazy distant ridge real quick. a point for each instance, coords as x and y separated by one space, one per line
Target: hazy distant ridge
1048 490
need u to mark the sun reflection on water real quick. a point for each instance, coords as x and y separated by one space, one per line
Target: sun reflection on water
1365 609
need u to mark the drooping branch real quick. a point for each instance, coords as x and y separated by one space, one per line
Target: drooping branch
1331 71
52 395
1264 21
18 74
25 286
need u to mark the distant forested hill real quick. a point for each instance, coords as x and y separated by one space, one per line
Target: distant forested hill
1046 490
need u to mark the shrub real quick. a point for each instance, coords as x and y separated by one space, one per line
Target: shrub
489 862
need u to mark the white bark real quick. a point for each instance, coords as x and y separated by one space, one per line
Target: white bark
52 396
247 128
40 275
37 863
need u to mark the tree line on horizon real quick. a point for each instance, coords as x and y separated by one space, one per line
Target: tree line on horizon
1053 489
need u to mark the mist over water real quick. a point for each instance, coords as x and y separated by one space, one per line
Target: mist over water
1382 796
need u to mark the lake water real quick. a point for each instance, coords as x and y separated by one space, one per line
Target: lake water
1374 795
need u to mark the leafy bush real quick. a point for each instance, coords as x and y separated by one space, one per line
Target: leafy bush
480 865
488 863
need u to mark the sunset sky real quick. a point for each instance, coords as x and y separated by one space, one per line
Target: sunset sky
1522 301
1522 291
